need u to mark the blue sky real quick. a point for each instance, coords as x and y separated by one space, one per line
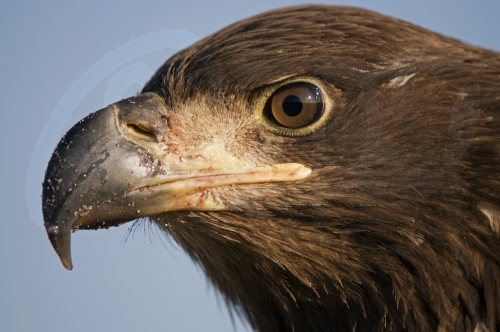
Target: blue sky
61 60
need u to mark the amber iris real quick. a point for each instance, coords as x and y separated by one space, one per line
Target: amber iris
296 105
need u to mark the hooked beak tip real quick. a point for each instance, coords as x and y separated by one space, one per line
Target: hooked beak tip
60 239
67 263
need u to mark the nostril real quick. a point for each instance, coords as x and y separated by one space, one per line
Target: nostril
141 132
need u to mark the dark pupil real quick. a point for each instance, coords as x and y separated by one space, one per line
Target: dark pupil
292 105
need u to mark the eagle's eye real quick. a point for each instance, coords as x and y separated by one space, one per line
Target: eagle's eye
295 105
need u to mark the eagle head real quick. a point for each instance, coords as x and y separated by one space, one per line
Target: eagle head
329 168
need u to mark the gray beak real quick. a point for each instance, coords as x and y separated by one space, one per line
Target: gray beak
95 166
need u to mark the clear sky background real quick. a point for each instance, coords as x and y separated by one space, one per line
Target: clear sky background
60 60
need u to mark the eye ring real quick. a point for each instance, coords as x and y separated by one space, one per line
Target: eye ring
295 105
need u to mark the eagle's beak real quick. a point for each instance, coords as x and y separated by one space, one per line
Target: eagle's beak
115 166
93 169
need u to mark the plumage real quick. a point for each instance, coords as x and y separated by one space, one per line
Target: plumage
381 213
